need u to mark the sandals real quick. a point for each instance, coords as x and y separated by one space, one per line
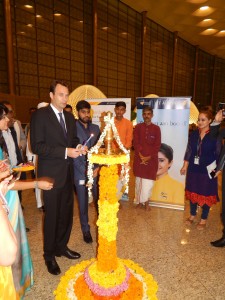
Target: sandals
201 226
189 221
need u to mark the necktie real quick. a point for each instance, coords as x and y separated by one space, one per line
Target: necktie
62 123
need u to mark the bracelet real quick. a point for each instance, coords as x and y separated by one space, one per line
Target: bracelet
36 184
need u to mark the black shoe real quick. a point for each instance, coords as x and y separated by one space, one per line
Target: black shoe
69 254
27 229
42 208
53 267
87 237
219 243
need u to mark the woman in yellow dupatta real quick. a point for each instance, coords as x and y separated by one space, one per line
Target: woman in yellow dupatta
8 247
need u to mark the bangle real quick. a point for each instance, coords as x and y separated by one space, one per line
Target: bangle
36 184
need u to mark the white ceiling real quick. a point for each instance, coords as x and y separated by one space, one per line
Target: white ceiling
183 16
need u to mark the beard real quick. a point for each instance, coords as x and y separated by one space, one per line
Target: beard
84 120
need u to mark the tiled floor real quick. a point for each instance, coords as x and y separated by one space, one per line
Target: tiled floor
180 258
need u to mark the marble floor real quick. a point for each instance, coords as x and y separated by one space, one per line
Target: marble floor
180 258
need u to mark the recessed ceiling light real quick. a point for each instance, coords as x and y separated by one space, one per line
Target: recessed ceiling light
204 8
57 14
206 22
203 11
209 31
105 28
124 33
29 25
81 21
28 6
38 16
221 33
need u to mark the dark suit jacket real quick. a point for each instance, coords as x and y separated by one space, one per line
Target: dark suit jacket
80 163
49 143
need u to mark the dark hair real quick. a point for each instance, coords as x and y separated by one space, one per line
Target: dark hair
5 102
208 112
3 109
69 106
120 103
167 151
83 104
147 108
54 84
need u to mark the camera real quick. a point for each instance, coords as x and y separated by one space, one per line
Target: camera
221 105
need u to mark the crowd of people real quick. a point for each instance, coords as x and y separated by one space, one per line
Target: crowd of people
57 145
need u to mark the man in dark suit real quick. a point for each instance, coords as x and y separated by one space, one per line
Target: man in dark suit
54 140
216 132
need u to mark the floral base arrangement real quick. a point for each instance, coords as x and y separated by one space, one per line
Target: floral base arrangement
75 286
107 277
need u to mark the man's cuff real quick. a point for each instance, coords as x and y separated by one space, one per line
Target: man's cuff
66 154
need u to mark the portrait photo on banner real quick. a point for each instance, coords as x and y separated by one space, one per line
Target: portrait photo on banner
171 114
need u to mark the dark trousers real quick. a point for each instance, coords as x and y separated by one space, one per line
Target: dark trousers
82 197
58 219
205 210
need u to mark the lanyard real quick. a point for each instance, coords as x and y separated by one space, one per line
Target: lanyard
199 144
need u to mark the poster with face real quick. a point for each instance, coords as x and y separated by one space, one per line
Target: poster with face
171 114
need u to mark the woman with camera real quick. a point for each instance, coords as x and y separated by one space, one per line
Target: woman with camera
202 153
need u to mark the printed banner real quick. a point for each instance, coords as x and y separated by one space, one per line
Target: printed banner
101 106
171 114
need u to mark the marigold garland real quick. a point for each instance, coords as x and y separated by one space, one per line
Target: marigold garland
108 277
141 284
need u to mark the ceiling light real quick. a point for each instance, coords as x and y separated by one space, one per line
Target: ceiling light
206 22
203 11
38 16
29 25
28 6
105 28
209 31
204 8
221 33
81 21
57 14
124 33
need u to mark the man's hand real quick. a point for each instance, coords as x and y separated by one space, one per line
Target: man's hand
73 153
95 172
218 173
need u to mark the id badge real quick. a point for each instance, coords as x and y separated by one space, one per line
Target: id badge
196 160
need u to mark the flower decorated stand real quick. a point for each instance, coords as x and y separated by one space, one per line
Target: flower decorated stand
107 277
